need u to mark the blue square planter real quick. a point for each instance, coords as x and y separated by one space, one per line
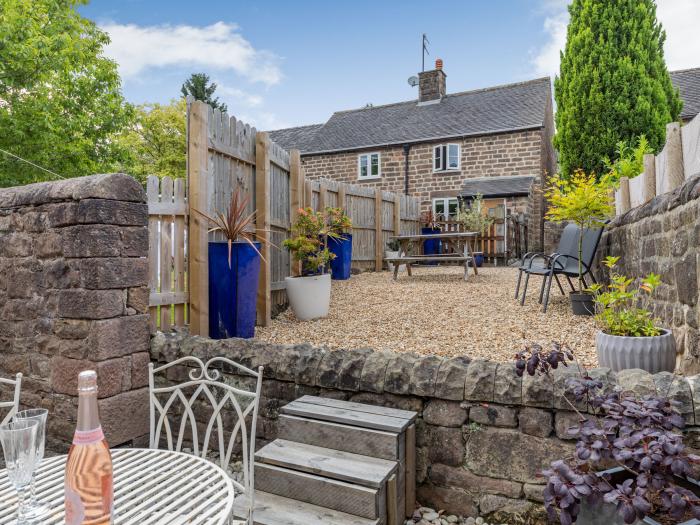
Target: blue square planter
341 265
233 290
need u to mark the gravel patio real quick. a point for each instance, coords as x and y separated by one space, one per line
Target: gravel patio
436 312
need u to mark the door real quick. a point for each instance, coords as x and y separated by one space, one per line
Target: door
493 244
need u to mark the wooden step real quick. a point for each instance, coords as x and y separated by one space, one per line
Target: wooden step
349 413
334 464
336 495
276 510
357 440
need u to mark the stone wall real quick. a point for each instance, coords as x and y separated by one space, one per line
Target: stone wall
483 434
73 296
663 236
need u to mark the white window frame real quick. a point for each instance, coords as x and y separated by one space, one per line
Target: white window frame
446 206
443 151
369 175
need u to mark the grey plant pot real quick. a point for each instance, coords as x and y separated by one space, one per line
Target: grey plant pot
653 354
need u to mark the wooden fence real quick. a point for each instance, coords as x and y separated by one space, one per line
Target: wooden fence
678 160
492 243
224 154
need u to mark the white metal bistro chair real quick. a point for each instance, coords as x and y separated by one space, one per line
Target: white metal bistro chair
206 403
15 385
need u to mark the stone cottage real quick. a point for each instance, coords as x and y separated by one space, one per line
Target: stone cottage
442 147
687 81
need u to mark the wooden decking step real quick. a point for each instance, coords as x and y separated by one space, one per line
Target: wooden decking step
276 510
349 413
334 464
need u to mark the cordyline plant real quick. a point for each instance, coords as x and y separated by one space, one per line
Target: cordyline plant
623 309
311 232
236 224
582 199
430 219
473 218
639 435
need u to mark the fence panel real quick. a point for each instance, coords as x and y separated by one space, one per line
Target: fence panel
167 263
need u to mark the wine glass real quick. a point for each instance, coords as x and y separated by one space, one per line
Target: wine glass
18 440
34 509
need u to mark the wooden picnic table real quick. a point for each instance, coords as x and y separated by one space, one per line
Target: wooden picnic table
459 242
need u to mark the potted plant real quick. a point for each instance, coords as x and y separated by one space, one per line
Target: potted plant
393 249
584 200
234 269
629 337
340 246
431 226
474 219
639 437
310 294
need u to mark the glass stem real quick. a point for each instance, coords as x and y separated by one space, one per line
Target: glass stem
32 492
21 508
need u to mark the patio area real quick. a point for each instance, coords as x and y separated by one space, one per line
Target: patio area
436 312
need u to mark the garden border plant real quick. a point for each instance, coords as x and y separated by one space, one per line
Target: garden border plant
640 436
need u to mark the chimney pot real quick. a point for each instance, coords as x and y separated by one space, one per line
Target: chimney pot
438 63
431 84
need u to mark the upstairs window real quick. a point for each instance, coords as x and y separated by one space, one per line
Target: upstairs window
368 166
446 157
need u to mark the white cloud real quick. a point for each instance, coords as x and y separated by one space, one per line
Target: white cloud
678 17
218 47
265 121
237 96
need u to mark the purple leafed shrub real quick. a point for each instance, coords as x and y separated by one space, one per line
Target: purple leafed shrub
639 435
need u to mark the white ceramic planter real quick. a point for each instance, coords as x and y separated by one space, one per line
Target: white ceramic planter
309 297
653 354
389 255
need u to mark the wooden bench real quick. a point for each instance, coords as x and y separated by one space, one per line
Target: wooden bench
408 260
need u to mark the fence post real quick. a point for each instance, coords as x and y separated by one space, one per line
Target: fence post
397 214
198 154
296 178
625 203
341 197
308 195
262 220
674 157
179 264
378 237
649 177
322 196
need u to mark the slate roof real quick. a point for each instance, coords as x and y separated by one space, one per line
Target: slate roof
688 83
496 109
497 186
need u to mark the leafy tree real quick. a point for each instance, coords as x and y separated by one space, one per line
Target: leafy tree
60 98
613 82
629 160
157 141
199 87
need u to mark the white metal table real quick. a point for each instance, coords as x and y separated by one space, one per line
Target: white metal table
151 487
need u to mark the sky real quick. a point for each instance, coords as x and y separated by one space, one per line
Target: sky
289 63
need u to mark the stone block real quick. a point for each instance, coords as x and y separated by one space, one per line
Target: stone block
110 375
139 369
685 271
534 492
16 245
113 272
134 242
138 299
563 421
480 380
90 304
374 372
535 421
351 369
307 365
538 391
91 240
329 369
499 508
444 413
452 501
451 377
106 211
637 381
508 387
398 374
459 477
509 454
424 375
49 244
494 415
125 416
694 385
677 389
445 445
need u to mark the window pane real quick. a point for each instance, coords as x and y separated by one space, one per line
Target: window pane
437 153
453 207
439 206
363 165
375 164
453 156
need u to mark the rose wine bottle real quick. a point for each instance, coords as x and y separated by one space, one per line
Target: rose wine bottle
89 492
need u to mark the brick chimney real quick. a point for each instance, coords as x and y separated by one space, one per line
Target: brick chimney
431 84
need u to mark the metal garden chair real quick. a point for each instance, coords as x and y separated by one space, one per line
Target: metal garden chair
567 244
15 385
205 402
565 263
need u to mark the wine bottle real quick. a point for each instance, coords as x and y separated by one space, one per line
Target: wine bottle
89 490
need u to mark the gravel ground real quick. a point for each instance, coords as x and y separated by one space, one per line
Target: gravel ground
436 312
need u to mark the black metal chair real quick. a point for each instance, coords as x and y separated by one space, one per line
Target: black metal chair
567 244
565 263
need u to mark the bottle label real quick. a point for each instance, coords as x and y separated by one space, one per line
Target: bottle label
88 437
75 510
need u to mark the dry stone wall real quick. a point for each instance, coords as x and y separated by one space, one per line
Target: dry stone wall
73 295
483 434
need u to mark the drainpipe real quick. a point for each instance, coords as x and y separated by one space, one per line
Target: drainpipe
406 149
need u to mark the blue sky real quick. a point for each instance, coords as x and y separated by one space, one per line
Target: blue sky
288 63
